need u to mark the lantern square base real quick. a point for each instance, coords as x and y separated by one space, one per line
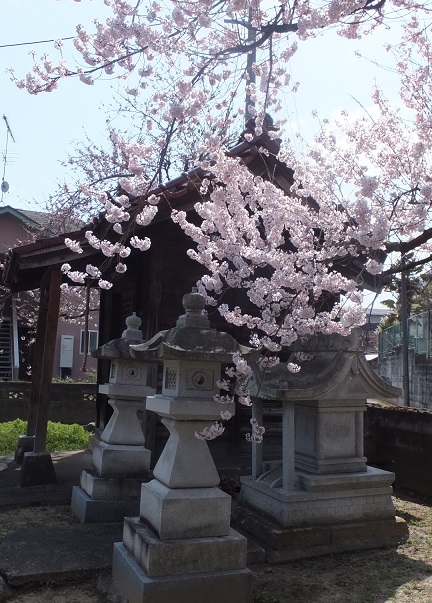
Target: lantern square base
89 510
212 587
182 555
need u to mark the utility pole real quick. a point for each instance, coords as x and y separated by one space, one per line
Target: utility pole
405 337
4 187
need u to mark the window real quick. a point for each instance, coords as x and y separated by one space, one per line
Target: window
92 341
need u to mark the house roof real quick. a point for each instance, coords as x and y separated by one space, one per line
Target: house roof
36 219
25 265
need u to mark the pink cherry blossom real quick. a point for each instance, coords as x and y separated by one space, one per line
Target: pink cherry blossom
103 284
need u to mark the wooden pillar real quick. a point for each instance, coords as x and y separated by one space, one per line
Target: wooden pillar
51 322
38 353
103 409
37 467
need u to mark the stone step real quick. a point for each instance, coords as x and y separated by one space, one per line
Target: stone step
57 554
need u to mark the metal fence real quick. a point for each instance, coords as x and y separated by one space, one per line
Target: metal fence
419 338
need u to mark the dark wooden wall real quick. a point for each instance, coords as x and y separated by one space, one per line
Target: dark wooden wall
153 287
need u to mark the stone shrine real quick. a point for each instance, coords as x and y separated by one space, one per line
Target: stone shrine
181 548
111 489
321 497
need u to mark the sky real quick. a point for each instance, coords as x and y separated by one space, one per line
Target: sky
45 126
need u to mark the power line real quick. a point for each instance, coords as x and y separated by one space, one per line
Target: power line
37 42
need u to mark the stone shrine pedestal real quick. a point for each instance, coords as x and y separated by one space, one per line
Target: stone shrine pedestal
110 490
181 548
321 497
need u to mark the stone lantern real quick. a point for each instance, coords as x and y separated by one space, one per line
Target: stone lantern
182 548
110 490
321 497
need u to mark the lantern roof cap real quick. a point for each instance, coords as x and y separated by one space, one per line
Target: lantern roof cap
119 348
332 367
192 338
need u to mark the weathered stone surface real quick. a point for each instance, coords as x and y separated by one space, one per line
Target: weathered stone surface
285 544
185 512
183 555
26 556
5 592
371 477
211 587
110 488
113 460
90 510
186 408
337 370
329 436
25 444
181 548
300 508
124 426
37 469
182 452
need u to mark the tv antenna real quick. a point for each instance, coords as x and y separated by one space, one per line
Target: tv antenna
5 185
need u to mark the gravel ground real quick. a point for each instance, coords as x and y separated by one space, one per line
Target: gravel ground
399 575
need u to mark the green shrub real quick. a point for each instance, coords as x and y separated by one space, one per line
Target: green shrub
59 436
9 433
66 437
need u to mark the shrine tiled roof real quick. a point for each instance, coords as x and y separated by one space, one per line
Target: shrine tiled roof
24 266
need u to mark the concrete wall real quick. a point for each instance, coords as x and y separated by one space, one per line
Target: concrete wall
70 403
420 367
400 440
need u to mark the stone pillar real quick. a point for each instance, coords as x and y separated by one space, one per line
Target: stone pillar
110 490
181 548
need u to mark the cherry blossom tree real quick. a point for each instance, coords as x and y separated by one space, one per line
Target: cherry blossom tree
361 190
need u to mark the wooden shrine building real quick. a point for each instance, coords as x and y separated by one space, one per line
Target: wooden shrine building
153 285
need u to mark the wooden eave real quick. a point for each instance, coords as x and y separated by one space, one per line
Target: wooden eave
25 265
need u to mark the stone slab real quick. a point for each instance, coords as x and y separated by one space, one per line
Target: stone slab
112 460
188 409
372 476
330 466
185 512
37 469
298 508
184 555
111 488
127 391
64 553
89 510
25 444
285 544
211 587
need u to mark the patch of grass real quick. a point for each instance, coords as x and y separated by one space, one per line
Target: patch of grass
66 437
59 436
9 433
